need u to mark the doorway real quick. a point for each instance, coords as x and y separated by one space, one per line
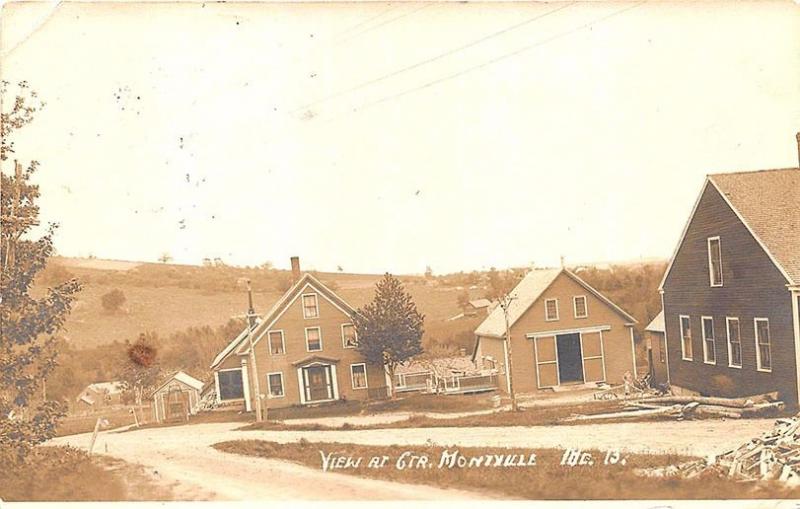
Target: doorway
318 383
570 359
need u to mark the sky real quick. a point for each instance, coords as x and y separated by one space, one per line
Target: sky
394 136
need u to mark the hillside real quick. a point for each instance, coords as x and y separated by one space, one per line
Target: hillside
168 298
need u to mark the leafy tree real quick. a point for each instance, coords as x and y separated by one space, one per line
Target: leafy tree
140 369
113 300
165 257
389 329
28 325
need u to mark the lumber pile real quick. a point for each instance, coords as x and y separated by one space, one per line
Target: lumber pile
731 408
681 407
775 456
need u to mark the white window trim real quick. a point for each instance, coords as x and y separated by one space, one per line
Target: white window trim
269 386
585 306
303 305
320 338
683 343
710 270
758 350
714 339
728 320
353 380
344 344
546 318
283 342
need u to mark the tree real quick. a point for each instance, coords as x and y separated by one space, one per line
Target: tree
113 300
28 325
140 369
165 257
428 272
389 329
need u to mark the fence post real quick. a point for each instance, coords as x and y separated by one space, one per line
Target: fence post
94 434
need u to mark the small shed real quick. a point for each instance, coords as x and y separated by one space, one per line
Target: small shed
657 348
177 398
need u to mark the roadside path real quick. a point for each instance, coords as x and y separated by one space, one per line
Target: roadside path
183 454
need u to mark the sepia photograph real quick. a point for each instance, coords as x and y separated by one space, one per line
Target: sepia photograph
368 251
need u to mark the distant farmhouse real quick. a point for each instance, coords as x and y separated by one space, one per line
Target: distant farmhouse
306 354
563 332
100 395
732 289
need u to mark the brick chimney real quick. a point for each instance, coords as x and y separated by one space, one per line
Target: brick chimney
295 268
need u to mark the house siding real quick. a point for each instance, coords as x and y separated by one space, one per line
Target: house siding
293 324
752 287
617 348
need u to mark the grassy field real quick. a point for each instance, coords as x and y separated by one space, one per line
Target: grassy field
116 417
166 300
547 480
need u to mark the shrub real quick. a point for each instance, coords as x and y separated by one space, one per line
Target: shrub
113 300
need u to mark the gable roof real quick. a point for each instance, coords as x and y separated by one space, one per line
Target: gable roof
240 343
526 293
657 325
480 303
768 203
182 377
758 198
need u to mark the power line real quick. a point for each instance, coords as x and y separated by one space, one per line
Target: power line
492 61
357 25
390 20
431 59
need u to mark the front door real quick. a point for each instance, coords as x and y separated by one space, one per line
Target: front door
318 383
570 361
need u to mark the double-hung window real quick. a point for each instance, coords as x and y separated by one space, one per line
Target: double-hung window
709 343
551 310
686 338
313 339
763 351
734 342
358 374
310 306
275 383
714 261
579 305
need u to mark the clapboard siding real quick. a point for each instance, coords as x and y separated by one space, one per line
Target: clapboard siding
753 287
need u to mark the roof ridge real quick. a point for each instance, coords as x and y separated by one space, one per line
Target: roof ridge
743 172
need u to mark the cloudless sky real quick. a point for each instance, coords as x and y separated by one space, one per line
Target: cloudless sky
387 137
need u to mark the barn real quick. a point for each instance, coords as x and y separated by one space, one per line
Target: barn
176 398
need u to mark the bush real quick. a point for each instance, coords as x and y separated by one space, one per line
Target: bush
113 300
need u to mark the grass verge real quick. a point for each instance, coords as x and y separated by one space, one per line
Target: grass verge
547 480
59 473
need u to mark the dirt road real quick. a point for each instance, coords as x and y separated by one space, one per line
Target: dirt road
183 455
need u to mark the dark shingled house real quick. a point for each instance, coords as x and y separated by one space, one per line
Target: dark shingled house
732 289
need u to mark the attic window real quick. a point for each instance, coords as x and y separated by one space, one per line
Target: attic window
714 261
551 310
581 311
310 307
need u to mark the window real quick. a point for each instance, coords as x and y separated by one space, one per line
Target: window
276 346
686 338
358 373
230 384
275 384
709 344
763 358
551 310
734 343
349 335
579 303
310 307
313 339
662 349
714 261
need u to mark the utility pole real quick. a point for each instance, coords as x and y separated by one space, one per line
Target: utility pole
505 303
251 323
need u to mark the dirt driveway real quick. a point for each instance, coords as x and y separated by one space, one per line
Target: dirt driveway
183 455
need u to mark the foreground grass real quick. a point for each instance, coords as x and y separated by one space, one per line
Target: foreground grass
548 480
201 418
59 473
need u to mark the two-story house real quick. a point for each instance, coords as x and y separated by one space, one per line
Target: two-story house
305 353
563 332
731 291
